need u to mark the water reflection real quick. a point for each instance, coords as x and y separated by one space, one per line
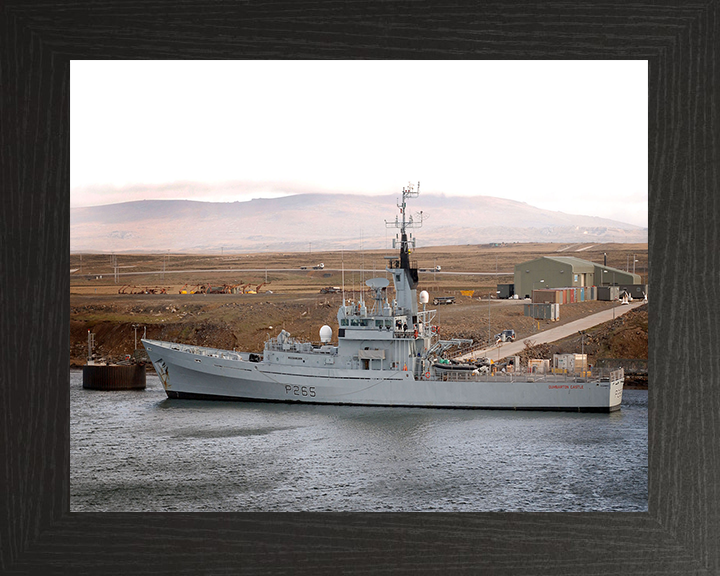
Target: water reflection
142 451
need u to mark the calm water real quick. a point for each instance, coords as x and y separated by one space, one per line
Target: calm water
140 451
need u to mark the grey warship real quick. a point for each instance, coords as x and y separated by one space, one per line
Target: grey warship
387 354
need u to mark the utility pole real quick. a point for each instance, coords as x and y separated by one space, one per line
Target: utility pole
91 344
489 332
613 298
363 256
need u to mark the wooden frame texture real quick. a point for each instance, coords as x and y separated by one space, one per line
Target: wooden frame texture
680 534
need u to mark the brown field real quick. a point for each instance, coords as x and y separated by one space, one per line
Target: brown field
244 321
498 261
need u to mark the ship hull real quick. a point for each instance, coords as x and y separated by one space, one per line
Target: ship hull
203 373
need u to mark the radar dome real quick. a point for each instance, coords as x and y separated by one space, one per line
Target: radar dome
424 297
325 333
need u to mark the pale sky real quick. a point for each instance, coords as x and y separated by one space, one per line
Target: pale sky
568 136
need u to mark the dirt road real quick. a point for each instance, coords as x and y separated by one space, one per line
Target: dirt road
512 348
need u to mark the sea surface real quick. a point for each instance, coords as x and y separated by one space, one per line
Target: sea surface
140 451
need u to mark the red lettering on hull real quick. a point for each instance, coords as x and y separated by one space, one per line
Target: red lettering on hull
565 387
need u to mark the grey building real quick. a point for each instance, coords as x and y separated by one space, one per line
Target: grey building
505 290
566 272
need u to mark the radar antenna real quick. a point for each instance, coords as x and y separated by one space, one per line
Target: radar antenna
406 221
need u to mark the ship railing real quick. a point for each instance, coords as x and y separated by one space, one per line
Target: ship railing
297 346
404 334
465 350
520 376
397 264
209 352
426 316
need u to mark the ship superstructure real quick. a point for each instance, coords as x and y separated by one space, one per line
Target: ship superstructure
387 353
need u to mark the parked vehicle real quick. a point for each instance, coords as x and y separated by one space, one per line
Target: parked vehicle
505 336
443 300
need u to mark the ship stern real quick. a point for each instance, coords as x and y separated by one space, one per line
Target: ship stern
617 383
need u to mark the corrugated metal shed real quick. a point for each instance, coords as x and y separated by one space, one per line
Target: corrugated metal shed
552 272
567 272
578 264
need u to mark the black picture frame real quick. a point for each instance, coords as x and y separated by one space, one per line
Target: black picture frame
680 532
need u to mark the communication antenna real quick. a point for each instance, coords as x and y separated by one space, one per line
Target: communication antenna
406 221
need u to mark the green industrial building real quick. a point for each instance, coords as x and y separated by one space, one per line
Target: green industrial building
566 272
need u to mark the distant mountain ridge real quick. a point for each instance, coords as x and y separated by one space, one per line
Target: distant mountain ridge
327 222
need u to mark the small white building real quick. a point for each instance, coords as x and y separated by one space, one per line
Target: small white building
538 366
570 363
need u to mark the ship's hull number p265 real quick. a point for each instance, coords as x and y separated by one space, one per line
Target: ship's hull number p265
300 390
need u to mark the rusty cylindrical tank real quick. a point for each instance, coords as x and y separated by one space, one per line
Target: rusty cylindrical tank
117 377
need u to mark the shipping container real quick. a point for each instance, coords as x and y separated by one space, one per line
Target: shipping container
505 290
546 296
608 293
544 311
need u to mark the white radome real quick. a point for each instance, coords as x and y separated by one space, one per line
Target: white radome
325 333
424 297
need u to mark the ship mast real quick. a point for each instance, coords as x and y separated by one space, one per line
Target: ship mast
407 221
405 274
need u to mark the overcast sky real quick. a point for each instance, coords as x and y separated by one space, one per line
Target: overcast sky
568 136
